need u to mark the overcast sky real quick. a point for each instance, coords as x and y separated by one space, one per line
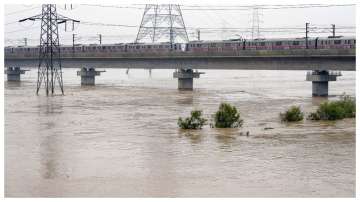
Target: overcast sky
320 20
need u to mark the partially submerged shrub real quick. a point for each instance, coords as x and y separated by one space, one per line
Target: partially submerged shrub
227 117
195 121
293 114
333 110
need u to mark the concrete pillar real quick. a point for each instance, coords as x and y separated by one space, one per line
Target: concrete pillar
320 81
88 75
13 73
185 78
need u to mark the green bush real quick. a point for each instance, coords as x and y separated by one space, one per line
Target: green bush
334 110
227 117
293 114
195 121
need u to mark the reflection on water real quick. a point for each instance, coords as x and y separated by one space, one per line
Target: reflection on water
120 138
49 147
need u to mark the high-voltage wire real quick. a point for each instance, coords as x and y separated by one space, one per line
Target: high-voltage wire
215 28
234 7
21 11
105 24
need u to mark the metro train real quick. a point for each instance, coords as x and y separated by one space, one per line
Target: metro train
235 47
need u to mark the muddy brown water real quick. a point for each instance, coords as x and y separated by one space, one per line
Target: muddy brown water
120 138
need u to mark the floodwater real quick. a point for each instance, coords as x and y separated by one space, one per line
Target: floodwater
120 138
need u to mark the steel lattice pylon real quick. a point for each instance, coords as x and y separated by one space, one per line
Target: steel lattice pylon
162 22
255 28
49 69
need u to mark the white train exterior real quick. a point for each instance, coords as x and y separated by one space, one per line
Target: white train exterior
224 47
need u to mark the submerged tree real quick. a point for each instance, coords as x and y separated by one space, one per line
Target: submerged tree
195 121
293 114
227 117
333 110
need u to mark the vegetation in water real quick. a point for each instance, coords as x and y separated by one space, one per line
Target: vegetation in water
227 117
195 121
293 114
334 110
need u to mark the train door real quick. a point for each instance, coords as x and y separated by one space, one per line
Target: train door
316 42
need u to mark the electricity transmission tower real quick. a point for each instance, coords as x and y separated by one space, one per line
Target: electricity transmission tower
49 68
162 22
255 28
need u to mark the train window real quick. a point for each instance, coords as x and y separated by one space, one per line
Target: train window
337 42
295 43
227 44
262 44
213 45
198 45
137 47
148 46
354 41
278 43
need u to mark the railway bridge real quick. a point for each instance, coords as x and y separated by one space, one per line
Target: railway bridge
321 63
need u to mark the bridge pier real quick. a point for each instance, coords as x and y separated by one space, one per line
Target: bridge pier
13 73
320 81
185 78
88 75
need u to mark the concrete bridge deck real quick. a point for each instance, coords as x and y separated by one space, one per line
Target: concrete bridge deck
306 59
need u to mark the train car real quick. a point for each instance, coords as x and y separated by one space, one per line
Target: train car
336 43
224 46
279 44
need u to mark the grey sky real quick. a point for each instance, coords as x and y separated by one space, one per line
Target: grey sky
273 18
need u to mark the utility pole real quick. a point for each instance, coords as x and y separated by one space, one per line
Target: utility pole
100 38
306 35
198 34
73 43
333 30
171 27
25 41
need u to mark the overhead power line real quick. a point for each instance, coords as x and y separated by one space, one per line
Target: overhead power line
105 24
21 11
21 30
217 28
113 6
268 7
234 7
